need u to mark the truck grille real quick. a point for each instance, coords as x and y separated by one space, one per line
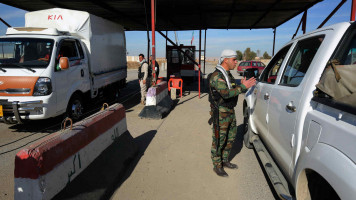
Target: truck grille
16 91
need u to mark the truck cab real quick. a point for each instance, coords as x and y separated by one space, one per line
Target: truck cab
35 83
283 122
45 72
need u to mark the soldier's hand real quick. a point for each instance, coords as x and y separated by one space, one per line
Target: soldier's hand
248 83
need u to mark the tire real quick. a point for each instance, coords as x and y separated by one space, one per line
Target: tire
114 94
320 189
247 130
75 108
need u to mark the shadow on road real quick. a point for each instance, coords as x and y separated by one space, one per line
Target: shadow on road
142 142
103 176
237 146
40 126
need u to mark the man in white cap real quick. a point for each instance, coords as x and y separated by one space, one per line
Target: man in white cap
223 94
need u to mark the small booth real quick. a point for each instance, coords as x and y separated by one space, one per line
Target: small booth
179 65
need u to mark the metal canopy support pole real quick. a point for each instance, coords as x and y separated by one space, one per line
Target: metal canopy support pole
166 66
148 43
199 60
147 29
153 25
204 50
166 43
8 25
304 27
353 10
301 20
332 13
274 40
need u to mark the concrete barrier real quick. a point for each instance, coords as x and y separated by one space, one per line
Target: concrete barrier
44 168
158 102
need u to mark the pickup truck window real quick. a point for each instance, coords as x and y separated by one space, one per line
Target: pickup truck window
269 75
300 60
337 84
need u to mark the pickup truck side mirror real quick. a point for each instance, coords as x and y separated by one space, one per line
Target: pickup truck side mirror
64 63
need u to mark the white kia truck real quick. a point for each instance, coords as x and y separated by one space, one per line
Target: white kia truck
60 60
301 116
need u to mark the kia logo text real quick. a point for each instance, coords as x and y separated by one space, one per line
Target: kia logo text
55 17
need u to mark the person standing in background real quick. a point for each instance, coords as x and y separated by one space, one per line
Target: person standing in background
143 77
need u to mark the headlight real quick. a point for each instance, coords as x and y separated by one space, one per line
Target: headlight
43 87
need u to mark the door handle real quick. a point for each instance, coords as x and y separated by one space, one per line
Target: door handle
266 96
291 108
81 72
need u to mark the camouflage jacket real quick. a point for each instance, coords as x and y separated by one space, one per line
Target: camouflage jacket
218 82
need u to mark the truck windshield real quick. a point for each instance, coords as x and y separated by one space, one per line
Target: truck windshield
25 52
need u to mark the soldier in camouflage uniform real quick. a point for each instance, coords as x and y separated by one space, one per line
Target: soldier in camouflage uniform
223 93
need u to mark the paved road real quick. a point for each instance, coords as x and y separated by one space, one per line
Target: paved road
174 162
143 180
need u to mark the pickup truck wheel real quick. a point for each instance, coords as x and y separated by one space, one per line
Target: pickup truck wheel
75 108
319 188
247 130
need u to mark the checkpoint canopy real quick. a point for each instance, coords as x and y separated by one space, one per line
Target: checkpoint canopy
175 15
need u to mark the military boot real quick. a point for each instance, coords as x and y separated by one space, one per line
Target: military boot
229 165
220 171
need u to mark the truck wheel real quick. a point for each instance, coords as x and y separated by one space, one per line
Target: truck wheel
247 130
114 94
75 107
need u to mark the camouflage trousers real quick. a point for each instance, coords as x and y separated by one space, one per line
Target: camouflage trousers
227 135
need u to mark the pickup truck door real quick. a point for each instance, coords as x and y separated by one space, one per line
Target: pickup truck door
76 77
285 100
263 90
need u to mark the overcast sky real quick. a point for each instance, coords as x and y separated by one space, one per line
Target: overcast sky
217 40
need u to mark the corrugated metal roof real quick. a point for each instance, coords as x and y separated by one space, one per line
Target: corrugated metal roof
182 14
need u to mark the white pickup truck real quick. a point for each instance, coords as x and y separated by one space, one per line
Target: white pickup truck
301 116
59 61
